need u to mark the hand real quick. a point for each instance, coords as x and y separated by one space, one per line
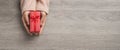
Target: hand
43 21
25 20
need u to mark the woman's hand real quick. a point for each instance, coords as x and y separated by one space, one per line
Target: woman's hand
43 21
25 20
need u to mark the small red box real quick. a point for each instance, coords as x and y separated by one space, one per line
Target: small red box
35 21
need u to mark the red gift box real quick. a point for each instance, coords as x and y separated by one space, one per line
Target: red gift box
35 21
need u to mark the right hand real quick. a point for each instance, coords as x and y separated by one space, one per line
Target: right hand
25 20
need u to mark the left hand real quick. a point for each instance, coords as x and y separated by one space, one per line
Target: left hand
43 21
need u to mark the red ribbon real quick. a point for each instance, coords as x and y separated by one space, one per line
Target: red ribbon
35 18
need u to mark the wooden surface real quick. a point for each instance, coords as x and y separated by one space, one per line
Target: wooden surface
71 25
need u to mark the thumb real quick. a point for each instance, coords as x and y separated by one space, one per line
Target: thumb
27 17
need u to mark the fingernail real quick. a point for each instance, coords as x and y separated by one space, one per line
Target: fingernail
28 23
30 34
40 25
36 34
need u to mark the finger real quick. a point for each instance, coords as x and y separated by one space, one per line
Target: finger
43 21
43 17
42 26
36 34
27 17
26 27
